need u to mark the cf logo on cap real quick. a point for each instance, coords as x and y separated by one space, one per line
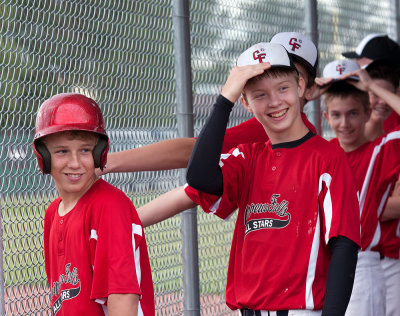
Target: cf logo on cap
340 69
295 43
259 56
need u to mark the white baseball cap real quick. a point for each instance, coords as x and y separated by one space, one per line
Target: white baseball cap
340 67
300 46
273 53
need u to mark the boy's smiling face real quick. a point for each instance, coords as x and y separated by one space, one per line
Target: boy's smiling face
274 101
380 111
347 118
72 164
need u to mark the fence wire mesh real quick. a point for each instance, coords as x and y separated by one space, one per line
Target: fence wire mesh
121 53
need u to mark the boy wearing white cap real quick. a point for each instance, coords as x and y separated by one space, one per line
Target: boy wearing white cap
292 251
175 153
375 167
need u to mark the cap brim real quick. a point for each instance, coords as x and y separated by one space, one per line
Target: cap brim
351 55
305 63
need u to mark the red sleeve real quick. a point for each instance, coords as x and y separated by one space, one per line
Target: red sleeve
248 132
338 200
232 166
112 252
392 122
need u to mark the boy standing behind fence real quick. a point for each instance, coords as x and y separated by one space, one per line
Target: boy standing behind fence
95 249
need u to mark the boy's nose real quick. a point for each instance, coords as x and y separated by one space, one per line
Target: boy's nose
274 100
74 161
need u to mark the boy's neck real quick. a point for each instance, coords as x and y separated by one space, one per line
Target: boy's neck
69 200
352 147
297 131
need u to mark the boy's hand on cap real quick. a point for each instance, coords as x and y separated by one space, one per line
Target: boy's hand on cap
319 88
322 82
365 80
238 78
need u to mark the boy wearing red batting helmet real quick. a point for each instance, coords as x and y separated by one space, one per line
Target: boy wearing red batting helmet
375 166
95 249
294 248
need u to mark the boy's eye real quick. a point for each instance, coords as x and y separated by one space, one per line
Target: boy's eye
87 150
260 95
61 151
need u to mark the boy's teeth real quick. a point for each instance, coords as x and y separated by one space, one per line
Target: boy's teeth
278 114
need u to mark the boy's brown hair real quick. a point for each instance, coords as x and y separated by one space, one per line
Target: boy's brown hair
384 70
342 90
274 72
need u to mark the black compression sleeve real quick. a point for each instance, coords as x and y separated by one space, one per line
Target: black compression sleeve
203 171
339 283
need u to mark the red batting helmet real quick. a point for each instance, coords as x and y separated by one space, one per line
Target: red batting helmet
69 112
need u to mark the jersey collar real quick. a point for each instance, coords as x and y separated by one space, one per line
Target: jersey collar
294 143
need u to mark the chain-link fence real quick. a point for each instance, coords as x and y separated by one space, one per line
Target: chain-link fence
121 53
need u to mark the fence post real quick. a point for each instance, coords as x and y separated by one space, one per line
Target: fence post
396 8
311 27
2 285
183 79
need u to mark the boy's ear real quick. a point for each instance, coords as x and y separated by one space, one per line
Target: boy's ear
245 104
301 87
326 117
309 94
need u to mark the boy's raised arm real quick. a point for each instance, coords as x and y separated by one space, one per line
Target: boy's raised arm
204 173
163 155
165 206
367 84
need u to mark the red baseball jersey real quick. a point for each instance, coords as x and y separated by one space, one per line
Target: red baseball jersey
251 131
389 245
375 167
97 249
292 200
392 122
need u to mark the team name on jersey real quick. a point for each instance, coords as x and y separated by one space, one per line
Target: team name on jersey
71 278
278 208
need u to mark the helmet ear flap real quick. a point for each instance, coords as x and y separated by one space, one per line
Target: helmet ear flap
100 152
46 157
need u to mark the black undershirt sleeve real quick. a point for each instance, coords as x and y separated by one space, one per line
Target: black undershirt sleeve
339 283
203 171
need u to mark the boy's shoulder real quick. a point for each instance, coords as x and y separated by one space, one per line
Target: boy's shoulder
104 193
327 152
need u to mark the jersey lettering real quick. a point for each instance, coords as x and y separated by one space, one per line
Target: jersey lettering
70 278
280 209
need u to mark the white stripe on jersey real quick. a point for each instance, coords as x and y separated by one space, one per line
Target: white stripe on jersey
137 230
377 149
312 264
377 234
326 177
234 153
93 234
